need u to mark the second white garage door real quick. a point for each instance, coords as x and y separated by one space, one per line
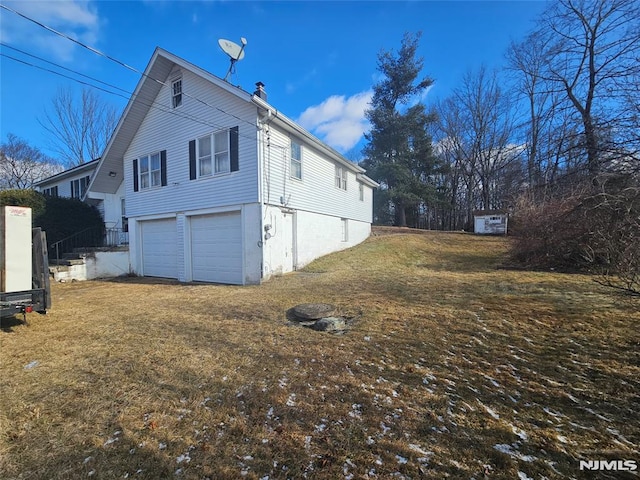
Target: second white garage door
216 248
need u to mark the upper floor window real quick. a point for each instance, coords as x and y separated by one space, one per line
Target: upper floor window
79 186
150 171
176 92
341 178
296 160
214 154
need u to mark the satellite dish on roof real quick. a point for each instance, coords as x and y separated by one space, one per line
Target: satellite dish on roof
235 52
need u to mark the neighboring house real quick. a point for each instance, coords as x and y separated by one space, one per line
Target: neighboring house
220 186
74 183
490 222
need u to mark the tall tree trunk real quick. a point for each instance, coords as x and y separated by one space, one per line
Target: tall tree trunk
401 215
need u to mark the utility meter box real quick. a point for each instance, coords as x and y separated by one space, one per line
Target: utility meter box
15 249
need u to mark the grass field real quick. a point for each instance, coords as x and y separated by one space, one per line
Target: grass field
452 369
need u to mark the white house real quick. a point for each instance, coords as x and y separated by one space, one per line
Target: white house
74 183
222 187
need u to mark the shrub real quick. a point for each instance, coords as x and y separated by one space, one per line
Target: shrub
24 198
64 217
595 229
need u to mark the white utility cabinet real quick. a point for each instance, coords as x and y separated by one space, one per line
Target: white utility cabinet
15 249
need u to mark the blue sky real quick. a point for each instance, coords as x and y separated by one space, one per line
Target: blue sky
316 58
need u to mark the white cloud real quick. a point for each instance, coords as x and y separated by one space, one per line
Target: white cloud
75 18
339 121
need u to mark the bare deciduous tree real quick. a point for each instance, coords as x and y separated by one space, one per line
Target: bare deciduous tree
80 127
590 52
22 165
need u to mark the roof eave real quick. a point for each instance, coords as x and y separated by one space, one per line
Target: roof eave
68 173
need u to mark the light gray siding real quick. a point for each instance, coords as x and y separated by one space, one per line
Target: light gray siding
171 131
316 192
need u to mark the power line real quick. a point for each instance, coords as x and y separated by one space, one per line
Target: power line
24 62
145 101
113 59
139 98
61 67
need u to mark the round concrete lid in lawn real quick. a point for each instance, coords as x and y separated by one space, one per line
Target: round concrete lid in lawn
313 311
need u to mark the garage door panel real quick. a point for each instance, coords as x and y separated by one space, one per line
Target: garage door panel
216 248
159 248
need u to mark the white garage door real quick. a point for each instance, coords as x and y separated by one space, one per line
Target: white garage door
216 248
159 248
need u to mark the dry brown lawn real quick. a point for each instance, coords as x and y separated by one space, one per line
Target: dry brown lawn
452 369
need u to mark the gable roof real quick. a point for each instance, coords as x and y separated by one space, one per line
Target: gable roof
152 80
87 167
149 85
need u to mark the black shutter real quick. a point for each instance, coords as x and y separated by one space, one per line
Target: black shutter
233 148
163 168
192 160
72 195
135 175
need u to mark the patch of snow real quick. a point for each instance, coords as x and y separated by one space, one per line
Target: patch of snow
31 365
548 411
520 433
291 401
511 451
488 410
111 440
417 448
601 417
401 460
